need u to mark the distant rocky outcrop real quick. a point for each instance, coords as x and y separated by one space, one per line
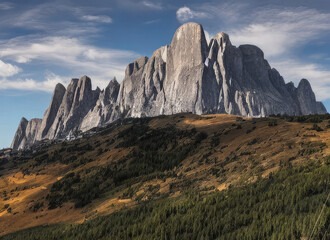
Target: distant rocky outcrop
188 75
20 134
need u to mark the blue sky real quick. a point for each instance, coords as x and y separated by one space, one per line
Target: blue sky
46 42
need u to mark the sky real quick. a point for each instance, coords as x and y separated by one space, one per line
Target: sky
45 42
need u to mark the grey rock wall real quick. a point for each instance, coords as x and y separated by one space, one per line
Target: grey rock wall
188 75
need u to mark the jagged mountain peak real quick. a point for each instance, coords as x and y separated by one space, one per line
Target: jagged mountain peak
20 133
113 81
84 88
304 83
23 121
187 75
222 38
73 82
189 45
51 112
136 65
59 87
85 81
251 50
188 30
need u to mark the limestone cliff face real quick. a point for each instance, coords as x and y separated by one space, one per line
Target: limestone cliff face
183 84
26 133
248 86
101 113
51 113
31 132
188 75
77 101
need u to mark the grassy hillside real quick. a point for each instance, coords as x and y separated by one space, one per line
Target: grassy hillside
181 176
284 206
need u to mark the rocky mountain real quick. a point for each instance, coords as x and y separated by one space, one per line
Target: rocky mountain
189 75
20 134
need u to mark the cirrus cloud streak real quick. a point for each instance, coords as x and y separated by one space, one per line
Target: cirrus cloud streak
67 53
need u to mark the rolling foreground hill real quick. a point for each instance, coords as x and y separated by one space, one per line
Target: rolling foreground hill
183 176
188 75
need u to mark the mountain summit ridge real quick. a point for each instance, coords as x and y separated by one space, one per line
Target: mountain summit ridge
189 75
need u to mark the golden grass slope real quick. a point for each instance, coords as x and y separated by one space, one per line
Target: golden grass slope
236 151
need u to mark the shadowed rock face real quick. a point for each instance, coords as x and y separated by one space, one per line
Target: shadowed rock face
20 134
306 98
188 75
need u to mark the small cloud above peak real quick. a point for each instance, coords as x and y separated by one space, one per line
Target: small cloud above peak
185 14
100 18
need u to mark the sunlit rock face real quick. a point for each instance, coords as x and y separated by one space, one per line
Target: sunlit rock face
189 75
51 113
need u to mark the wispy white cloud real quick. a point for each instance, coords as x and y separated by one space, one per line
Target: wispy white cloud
185 14
41 17
7 69
278 31
59 45
227 12
6 6
152 5
62 49
47 85
101 18
68 53
33 18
